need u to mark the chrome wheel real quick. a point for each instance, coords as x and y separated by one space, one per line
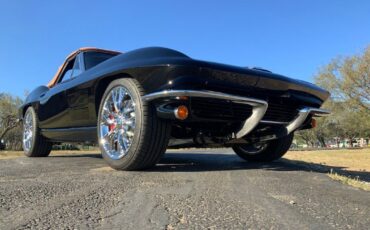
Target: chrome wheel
27 131
117 123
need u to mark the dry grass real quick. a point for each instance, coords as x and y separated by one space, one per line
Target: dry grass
14 154
10 154
344 165
354 182
347 159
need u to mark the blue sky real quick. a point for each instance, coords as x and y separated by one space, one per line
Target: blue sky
293 38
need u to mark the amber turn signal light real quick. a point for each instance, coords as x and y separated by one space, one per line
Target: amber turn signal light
313 123
181 112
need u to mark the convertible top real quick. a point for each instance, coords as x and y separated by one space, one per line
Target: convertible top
72 55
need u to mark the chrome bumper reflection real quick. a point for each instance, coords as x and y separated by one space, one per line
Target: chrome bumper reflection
302 116
259 106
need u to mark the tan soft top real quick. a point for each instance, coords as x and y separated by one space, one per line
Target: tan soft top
72 55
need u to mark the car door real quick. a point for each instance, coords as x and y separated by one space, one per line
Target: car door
53 107
78 96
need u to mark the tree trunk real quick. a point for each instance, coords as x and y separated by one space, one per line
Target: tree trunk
322 141
351 142
2 135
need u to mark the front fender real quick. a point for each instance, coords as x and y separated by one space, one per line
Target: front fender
32 99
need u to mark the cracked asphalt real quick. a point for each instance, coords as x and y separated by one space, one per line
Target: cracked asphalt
188 189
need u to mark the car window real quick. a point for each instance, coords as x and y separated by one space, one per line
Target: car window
72 70
76 67
92 59
67 75
67 72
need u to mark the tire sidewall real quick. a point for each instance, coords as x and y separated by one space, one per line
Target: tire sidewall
35 132
274 150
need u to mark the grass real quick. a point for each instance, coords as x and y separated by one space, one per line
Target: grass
343 165
347 159
354 182
14 154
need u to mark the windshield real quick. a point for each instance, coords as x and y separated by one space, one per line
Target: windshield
93 58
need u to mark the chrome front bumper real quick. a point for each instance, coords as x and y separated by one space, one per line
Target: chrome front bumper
258 111
302 116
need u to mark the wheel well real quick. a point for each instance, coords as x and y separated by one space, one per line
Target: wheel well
102 85
25 109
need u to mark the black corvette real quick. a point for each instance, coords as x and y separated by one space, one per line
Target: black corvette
137 104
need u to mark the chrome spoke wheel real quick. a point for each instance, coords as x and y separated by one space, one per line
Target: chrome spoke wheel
117 123
27 132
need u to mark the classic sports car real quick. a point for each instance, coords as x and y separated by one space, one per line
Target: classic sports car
136 104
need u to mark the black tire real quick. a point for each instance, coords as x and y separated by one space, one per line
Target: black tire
40 147
151 134
268 152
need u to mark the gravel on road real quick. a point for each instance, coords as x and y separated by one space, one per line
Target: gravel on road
196 189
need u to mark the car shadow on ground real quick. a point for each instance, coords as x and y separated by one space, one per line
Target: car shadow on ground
185 162
87 155
200 161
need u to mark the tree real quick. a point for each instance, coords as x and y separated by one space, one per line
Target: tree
348 80
307 136
9 119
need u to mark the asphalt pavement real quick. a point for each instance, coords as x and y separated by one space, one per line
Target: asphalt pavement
188 189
